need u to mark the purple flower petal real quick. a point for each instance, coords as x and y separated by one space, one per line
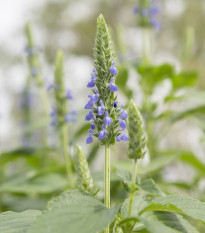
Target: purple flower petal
89 139
69 95
102 134
89 105
113 87
107 119
89 116
123 114
122 124
92 126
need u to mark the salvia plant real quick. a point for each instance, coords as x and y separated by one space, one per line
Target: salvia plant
149 12
34 65
60 113
136 203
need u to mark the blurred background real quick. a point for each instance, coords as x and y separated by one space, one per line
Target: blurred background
173 111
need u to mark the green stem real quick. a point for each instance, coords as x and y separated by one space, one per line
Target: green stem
147 46
107 180
65 149
132 194
44 99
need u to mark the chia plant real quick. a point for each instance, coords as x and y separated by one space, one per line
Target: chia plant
148 12
107 118
35 72
60 113
84 179
137 143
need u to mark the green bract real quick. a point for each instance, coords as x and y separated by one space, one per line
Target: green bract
137 138
85 181
61 101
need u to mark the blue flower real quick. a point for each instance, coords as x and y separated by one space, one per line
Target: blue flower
107 119
49 87
113 69
69 95
154 10
122 137
113 87
155 23
34 71
89 116
101 108
123 114
70 118
53 122
92 126
89 139
89 105
53 111
115 104
91 83
135 9
145 12
102 133
122 124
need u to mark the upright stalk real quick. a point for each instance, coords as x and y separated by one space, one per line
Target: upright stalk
64 140
107 180
132 194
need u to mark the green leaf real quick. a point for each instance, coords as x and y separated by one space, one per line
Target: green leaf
32 184
124 174
139 204
74 211
122 79
192 160
9 156
157 222
148 186
12 222
184 79
191 112
152 75
178 204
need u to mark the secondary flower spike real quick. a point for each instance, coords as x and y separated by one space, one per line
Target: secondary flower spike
108 119
137 142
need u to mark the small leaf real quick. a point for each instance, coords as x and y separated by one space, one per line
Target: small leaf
12 222
74 211
150 187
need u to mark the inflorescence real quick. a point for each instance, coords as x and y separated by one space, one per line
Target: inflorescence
60 113
148 11
107 118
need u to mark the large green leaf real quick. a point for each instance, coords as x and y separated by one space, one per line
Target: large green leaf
12 222
170 222
32 184
27 153
178 204
156 222
152 75
184 79
74 211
